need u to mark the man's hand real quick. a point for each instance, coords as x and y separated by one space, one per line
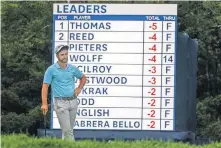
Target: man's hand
44 94
77 91
44 108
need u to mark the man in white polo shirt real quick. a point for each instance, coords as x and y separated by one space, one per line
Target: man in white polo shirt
61 76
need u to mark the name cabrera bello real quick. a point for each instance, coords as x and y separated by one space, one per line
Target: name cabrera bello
80 9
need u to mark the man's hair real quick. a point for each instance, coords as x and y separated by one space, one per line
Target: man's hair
59 48
63 48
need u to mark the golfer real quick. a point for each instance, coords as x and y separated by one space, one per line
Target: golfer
61 76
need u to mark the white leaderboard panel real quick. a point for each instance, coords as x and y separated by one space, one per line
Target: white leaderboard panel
128 52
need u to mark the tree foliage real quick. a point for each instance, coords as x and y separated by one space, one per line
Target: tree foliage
201 20
26 51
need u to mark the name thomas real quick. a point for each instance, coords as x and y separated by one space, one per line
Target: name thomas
90 25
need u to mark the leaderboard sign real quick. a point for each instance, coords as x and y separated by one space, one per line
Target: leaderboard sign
128 53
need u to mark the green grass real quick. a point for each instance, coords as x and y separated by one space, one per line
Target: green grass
23 141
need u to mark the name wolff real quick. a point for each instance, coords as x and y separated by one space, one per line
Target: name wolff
86 58
105 80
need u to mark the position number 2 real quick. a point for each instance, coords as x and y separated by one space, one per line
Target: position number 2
61 36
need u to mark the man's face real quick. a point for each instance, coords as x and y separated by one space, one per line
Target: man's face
63 56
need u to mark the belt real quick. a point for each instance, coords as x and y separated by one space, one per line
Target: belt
65 98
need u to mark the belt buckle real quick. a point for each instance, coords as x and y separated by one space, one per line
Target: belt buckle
66 98
74 97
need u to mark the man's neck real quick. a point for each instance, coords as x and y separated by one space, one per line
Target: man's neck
62 65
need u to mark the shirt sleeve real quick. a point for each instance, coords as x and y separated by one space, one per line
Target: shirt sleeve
77 73
48 76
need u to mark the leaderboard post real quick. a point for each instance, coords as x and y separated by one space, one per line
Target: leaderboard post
128 54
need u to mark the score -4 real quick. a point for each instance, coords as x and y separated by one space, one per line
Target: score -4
154 37
153 59
154 48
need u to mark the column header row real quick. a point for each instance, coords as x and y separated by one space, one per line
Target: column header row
116 17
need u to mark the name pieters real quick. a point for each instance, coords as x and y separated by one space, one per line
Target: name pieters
93 112
81 9
88 47
90 25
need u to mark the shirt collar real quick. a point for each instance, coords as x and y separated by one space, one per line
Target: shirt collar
58 66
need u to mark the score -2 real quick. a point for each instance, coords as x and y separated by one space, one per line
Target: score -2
152 124
152 102
152 114
152 92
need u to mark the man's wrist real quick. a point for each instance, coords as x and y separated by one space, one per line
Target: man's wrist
79 87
